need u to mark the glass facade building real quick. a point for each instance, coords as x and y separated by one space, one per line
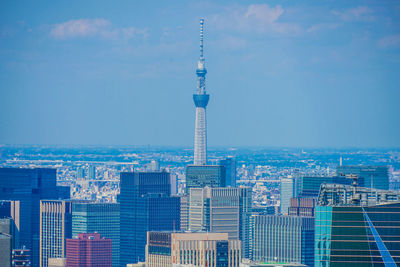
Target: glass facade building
230 168
199 176
222 210
357 227
146 205
287 191
102 218
308 186
302 206
286 239
28 187
372 176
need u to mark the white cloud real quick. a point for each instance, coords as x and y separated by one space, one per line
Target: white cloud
257 17
91 28
389 41
263 13
360 13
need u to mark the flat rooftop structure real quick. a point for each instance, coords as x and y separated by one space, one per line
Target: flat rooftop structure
347 195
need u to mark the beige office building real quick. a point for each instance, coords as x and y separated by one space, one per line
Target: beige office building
168 249
55 227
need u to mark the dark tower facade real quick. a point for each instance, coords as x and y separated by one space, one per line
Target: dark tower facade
146 205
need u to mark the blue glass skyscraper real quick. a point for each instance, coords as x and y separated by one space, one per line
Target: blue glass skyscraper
146 205
357 226
29 186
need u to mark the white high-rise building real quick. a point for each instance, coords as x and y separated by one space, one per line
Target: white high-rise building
287 192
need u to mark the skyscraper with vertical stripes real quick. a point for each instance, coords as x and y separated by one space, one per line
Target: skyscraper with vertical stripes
200 99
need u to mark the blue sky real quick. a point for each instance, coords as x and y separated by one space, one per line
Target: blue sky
280 73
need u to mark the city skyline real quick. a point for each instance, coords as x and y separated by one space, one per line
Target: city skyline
282 74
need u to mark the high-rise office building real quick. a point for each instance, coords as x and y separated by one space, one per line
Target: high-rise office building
230 169
357 226
308 186
89 250
92 172
146 205
207 175
287 239
102 218
154 166
371 176
10 220
167 249
80 173
200 99
302 206
5 248
222 210
28 187
184 212
55 228
287 191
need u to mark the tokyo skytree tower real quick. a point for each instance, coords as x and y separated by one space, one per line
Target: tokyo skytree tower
200 99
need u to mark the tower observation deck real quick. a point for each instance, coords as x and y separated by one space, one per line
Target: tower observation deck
200 99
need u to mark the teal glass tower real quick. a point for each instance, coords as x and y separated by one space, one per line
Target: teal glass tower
357 227
102 218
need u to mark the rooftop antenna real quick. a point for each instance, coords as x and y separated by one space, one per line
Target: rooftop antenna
201 39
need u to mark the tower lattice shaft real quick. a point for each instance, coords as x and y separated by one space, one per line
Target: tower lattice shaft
200 99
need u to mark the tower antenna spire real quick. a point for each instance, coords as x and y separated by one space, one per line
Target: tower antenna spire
201 39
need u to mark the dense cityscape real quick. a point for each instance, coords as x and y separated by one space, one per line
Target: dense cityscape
170 206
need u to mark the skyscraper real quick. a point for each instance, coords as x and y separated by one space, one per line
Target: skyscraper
146 205
287 239
55 228
102 218
308 186
369 176
184 212
222 210
28 186
80 173
205 175
302 206
230 168
286 193
92 172
200 99
357 226
6 232
89 250
168 249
